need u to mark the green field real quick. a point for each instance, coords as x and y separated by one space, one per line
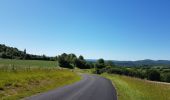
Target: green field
27 63
135 89
21 78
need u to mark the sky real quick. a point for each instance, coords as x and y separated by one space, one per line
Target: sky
109 29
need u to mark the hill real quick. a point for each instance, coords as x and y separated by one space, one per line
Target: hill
137 63
14 53
146 63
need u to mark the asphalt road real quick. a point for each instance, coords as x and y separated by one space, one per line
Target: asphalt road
91 87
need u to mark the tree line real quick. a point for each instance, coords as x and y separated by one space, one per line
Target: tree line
72 61
101 66
153 74
7 52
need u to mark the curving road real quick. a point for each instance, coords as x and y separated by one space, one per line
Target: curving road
91 87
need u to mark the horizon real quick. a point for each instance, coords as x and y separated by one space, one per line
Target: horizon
92 58
110 29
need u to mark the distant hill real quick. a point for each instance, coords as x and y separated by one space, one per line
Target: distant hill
139 62
143 62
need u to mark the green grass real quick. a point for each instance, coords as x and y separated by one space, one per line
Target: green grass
22 78
27 63
16 85
135 89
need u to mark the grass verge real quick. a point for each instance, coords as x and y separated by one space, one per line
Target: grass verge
20 84
135 89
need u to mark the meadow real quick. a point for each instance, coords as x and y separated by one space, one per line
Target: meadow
129 88
27 63
22 78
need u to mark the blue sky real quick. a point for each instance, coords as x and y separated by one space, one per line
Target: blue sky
109 29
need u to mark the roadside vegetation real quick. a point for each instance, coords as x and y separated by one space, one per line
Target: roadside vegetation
161 74
157 73
129 88
16 84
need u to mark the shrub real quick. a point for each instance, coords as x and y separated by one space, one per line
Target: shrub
153 75
167 77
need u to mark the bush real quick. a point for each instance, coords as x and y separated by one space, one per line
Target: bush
100 64
153 75
167 77
71 61
64 62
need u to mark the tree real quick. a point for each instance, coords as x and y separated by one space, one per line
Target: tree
81 57
81 63
100 64
167 77
110 63
101 61
44 57
153 75
25 51
63 61
25 54
71 59
90 65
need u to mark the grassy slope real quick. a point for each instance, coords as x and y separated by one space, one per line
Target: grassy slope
41 76
135 89
15 85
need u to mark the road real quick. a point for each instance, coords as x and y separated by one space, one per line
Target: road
91 87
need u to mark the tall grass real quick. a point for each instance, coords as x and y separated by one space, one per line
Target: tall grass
15 85
135 89
25 78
